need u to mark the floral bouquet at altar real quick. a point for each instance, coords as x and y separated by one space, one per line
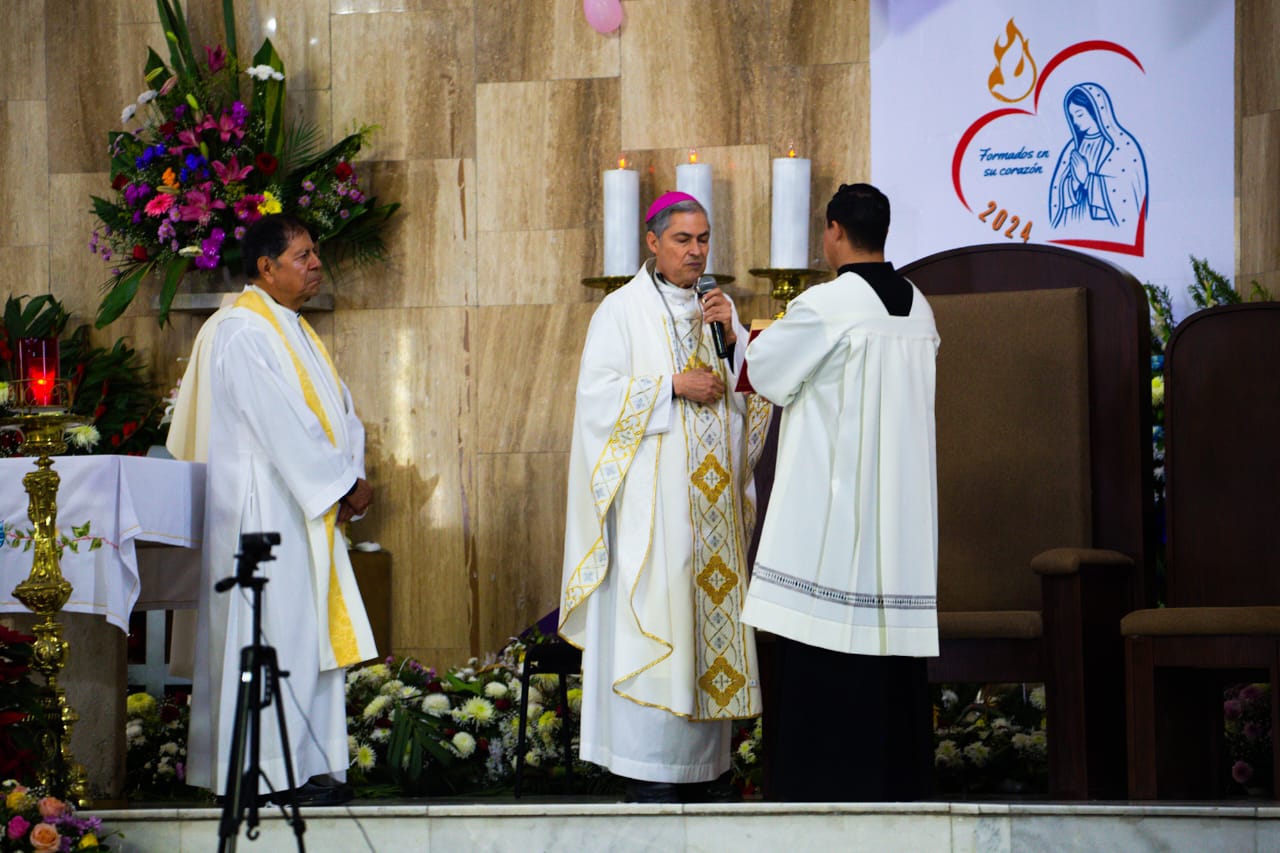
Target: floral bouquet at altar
30 820
990 738
202 161
1246 712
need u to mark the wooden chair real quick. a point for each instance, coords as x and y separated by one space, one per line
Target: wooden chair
1044 478
1222 622
562 659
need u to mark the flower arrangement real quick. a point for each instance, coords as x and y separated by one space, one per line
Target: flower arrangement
30 820
120 407
20 711
156 735
990 738
202 161
416 731
748 751
1246 711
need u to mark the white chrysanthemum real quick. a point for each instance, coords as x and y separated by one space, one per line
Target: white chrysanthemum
574 699
947 754
548 726
1037 698
496 690
377 672
380 735
757 731
365 757
263 72
353 676
949 698
1000 724
84 436
532 758
475 708
391 688
977 753
375 707
535 696
535 711
147 97
409 692
133 731
547 680
436 704
128 112
747 751
169 748
352 744
464 744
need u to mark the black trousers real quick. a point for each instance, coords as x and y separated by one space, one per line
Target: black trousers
844 728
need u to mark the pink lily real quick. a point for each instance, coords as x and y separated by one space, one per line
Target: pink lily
226 126
232 171
187 139
200 204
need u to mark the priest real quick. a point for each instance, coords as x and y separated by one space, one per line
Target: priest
846 571
285 454
660 508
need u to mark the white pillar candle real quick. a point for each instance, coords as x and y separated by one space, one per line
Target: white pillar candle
789 226
621 220
694 178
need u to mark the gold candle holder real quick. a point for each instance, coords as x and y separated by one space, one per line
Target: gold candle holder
787 284
43 416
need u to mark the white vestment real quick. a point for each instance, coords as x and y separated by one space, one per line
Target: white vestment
660 508
848 556
284 446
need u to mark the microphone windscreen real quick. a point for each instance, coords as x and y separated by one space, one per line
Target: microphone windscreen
706 284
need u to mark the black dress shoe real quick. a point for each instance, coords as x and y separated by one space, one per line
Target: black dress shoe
640 791
716 791
312 794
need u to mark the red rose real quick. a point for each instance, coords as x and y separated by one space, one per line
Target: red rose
128 428
139 252
168 713
100 411
169 128
118 182
266 163
115 440
343 170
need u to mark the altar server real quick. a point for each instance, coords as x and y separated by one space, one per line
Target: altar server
285 454
846 572
660 508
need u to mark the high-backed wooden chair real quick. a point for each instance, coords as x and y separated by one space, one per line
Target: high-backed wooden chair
1222 622
1044 484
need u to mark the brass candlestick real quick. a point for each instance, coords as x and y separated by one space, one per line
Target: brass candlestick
787 284
43 418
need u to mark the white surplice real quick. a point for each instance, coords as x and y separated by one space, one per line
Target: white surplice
284 446
660 507
848 556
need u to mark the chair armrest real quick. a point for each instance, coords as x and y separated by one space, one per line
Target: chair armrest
1067 561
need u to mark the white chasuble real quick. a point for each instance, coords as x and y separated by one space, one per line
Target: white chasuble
848 556
284 446
660 508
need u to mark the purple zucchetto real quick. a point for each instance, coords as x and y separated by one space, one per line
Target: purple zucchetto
664 201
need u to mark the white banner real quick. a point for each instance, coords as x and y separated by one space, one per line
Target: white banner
1099 126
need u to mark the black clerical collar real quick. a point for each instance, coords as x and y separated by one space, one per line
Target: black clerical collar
866 266
893 290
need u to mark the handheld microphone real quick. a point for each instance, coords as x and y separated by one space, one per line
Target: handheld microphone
705 285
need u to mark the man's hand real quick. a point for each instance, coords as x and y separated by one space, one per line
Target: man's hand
699 385
716 309
356 502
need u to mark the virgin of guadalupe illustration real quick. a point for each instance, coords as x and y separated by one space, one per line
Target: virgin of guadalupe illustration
1101 175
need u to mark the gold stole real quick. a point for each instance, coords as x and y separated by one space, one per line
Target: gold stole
342 636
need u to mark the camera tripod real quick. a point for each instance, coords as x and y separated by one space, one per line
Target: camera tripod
259 688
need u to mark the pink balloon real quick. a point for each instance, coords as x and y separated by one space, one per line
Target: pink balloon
604 16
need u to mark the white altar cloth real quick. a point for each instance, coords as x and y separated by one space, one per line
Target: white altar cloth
130 501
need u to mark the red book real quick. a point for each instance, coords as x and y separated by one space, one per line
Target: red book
744 382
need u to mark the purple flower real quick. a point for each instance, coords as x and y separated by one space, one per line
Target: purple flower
308 186
239 232
115 271
1250 692
210 249
166 231
182 771
1252 731
344 213
304 201
356 196
179 111
1242 772
239 112
1231 709
137 217
106 253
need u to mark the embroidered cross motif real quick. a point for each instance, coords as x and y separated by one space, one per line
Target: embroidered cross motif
721 681
716 580
711 478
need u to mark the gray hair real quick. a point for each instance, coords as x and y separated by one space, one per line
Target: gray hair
662 218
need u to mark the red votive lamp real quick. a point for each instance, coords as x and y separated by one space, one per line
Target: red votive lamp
38 364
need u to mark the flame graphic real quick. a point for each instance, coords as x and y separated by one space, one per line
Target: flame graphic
1014 76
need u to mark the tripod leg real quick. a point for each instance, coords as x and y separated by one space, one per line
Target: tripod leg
233 798
274 695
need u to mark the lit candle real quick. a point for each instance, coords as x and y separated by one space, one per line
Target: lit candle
789 228
694 178
38 364
621 220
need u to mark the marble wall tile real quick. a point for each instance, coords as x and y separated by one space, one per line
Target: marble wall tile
431 240
520 500
1068 834
22 71
540 40
76 276
714 93
406 369
819 32
538 267
658 833
412 73
1259 207
835 832
165 350
24 186
822 112
1257 22
315 107
526 369
299 29
540 150
137 11
369 7
24 270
